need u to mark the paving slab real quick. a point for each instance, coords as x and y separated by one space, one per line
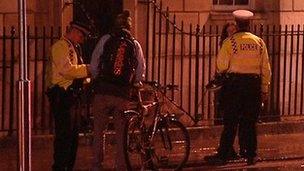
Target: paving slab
276 142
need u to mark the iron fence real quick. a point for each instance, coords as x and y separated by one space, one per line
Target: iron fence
39 41
182 55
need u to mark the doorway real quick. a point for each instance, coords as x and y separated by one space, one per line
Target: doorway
102 14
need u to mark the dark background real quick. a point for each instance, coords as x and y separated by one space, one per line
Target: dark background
101 13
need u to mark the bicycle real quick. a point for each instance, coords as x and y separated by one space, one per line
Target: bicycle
153 145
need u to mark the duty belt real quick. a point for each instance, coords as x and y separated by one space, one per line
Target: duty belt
243 75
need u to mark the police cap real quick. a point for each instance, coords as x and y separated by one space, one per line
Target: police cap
242 14
81 27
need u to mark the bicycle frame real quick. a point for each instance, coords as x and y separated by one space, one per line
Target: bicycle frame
142 110
146 126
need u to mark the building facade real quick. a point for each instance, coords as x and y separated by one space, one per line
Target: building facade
177 62
203 12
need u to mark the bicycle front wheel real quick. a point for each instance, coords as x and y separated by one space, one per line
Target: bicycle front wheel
133 142
171 145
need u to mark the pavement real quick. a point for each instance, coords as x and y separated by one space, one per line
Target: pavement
280 147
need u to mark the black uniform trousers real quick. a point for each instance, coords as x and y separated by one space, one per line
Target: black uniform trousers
66 130
240 101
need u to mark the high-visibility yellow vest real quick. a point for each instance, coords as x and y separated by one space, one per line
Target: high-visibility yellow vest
63 65
245 53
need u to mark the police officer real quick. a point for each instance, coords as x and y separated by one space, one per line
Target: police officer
64 72
244 60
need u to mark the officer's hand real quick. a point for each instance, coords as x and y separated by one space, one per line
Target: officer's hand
87 81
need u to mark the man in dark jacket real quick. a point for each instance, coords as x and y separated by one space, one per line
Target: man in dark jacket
112 98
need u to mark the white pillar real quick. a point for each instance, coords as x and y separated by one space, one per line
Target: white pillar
66 13
24 100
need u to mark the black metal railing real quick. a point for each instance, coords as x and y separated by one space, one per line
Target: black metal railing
39 41
175 53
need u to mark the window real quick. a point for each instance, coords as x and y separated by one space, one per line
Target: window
228 5
230 2
241 2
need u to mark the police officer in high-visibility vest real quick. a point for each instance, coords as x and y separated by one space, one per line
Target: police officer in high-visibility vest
244 60
65 77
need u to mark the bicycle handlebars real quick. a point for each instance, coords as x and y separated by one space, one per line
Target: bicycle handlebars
156 85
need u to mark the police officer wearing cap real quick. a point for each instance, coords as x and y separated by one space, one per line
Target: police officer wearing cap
66 74
244 60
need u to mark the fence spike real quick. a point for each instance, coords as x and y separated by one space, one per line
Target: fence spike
161 6
13 31
197 29
174 20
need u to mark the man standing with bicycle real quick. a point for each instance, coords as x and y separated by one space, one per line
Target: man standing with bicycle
117 63
244 60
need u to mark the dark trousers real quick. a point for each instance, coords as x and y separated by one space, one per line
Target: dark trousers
240 101
103 107
66 130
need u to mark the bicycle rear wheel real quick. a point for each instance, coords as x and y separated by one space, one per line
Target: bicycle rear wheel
171 145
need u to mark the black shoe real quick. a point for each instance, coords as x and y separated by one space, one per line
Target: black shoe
243 154
56 168
216 159
233 156
251 160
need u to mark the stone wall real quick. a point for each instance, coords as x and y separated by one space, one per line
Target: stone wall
267 12
204 13
291 12
52 13
189 11
39 13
